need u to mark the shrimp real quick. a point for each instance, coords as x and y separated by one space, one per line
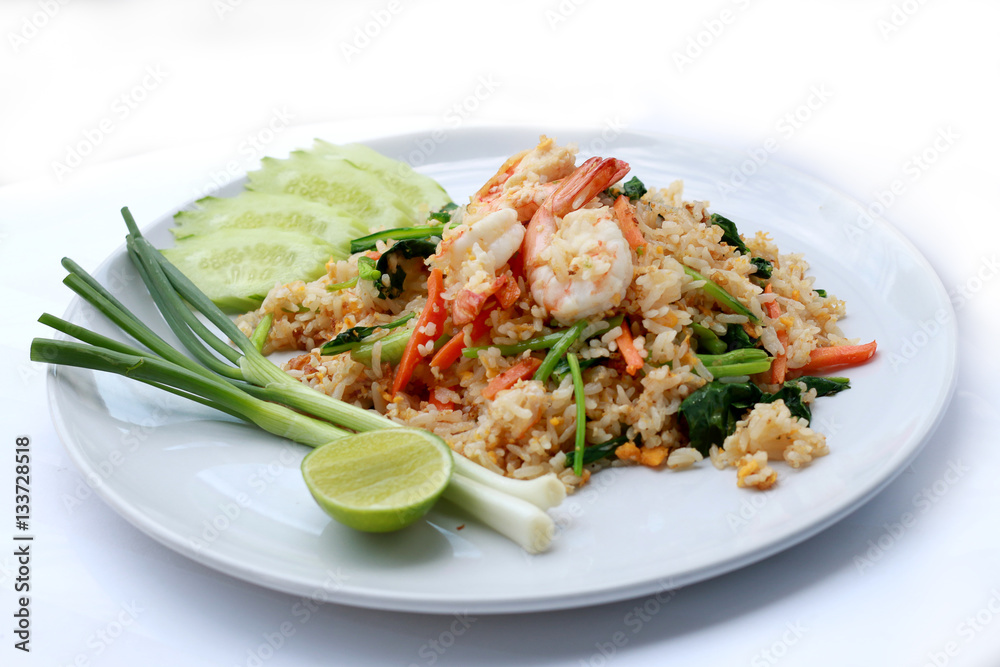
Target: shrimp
492 229
576 259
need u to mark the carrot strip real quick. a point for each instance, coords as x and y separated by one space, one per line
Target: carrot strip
823 358
633 359
522 370
625 214
452 350
779 366
449 352
434 313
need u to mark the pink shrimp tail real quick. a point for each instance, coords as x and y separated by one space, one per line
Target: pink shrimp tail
590 179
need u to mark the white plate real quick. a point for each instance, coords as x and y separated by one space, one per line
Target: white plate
231 497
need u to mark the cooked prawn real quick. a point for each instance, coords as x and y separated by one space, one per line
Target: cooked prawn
474 254
576 260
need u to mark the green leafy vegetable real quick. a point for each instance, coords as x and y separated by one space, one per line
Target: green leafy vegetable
764 268
444 213
390 263
604 449
736 338
712 411
820 292
730 235
347 340
539 342
633 188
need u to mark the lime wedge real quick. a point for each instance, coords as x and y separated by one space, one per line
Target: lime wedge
380 480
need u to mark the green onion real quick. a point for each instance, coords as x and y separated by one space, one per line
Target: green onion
721 296
540 342
241 382
423 232
562 368
558 350
347 284
351 338
259 335
708 340
581 414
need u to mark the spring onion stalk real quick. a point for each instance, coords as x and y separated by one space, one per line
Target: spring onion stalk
541 342
259 336
397 234
513 518
558 350
543 492
347 284
243 383
581 414
736 356
736 370
721 296
708 339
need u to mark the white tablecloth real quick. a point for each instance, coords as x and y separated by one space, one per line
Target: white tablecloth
149 104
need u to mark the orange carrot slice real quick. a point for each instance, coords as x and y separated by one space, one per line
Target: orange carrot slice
633 359
823 358
625 213
434 313
522 370
452 350
779 365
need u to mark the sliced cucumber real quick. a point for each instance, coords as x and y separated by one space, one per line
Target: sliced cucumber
422 193
236 268
339 184
255 210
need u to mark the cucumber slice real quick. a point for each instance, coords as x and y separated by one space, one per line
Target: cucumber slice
337 183
236 268
422 193
255 210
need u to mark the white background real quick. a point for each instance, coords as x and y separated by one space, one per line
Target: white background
110 103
